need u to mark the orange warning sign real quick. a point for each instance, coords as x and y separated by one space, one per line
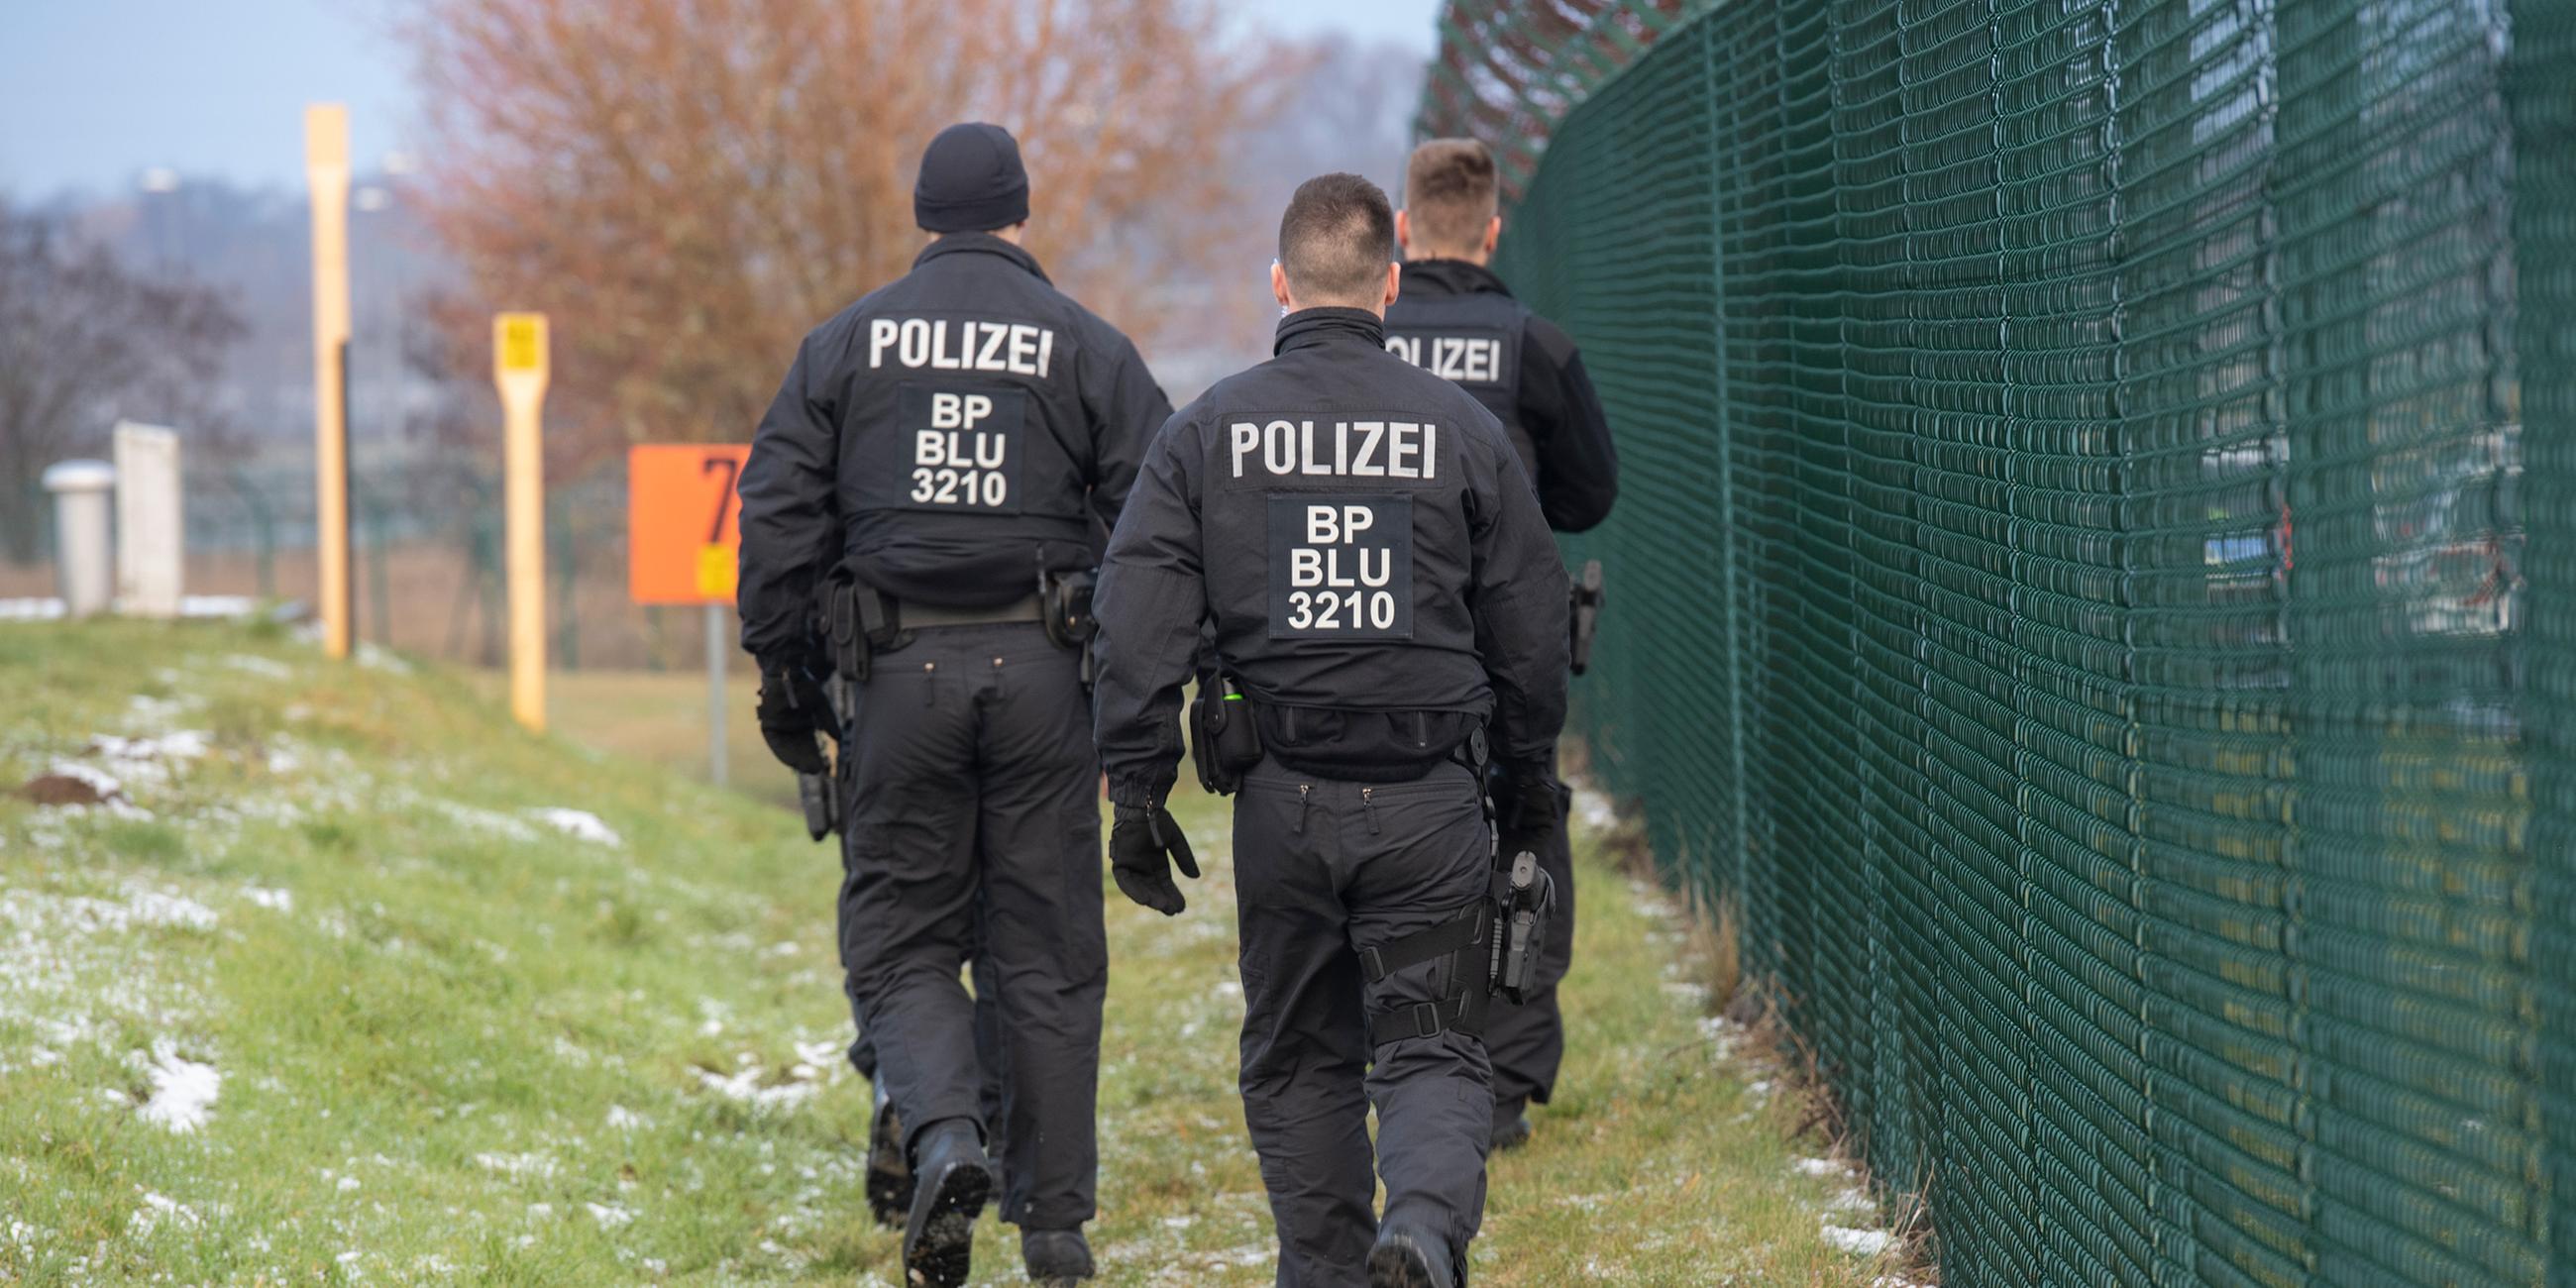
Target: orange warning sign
683 522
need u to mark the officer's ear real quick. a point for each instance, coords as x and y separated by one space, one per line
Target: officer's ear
1279 286
1394 283
1493 232
1404 233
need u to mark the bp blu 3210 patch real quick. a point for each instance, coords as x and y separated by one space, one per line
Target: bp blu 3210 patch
956 450
1341 567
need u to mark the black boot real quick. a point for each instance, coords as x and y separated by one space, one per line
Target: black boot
951 1179
1406 1257
1511 1125
889 1176
1055 1258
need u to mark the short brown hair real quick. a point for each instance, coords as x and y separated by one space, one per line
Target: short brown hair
1449 195
1336 240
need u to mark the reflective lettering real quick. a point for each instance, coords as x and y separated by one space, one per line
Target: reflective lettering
1015 348
1247 436
1279 447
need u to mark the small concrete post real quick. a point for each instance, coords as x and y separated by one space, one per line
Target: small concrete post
150 524
84 541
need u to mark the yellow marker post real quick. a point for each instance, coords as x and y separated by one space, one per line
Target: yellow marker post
519 367
326 168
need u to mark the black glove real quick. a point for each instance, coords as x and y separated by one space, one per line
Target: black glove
1529 804
1144 846
793 711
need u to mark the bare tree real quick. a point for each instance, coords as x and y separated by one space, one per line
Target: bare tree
83 343
687 186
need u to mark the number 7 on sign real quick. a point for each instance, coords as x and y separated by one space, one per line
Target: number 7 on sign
716 557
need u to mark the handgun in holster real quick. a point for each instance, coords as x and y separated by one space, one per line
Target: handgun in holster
1584 619
1064 604
1224 740
838 624
1524 900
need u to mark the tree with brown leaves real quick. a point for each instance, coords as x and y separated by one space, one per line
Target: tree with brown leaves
688 186
84 341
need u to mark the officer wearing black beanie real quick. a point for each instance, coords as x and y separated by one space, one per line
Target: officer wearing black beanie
935 473
971 181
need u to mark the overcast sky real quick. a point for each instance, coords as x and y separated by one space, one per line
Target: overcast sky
93 93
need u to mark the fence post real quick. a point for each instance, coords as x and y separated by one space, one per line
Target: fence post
83 541
151 536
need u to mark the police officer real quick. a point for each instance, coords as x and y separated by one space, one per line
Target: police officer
1457 318
941 450
1386 607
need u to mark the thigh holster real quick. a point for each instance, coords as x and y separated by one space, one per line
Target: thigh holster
1465 938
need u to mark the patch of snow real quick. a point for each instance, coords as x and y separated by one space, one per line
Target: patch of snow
823 1054
267 668
382 659
1595 809
184 744
488 822
518 1165
610 1215
217 605
1859 1243
279 900
1819 1167
183 1092
621 1118
97 780
153 908
745 1087
581 825
158 1208
347 1183
1854 1199
1688 990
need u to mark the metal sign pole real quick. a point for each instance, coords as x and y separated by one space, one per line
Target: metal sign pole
716 692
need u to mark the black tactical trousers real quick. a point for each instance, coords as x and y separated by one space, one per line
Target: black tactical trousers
977 806
1527 1042
1323 868
988 1032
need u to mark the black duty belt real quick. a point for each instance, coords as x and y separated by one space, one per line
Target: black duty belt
920 616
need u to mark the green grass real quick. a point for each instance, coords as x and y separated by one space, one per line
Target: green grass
661 717
457 1042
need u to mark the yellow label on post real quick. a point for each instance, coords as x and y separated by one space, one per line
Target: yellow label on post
715 571
522 341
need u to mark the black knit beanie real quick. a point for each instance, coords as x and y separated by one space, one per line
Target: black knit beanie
971 181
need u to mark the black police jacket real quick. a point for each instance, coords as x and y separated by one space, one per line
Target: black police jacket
944 438
1460 322
1362 538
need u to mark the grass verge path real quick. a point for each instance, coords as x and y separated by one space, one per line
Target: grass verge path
347 981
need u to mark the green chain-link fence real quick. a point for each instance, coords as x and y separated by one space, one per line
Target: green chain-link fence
426 550
2086 596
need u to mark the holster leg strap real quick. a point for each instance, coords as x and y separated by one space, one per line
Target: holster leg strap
1464 938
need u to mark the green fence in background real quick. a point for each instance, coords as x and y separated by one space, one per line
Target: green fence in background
2095 593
